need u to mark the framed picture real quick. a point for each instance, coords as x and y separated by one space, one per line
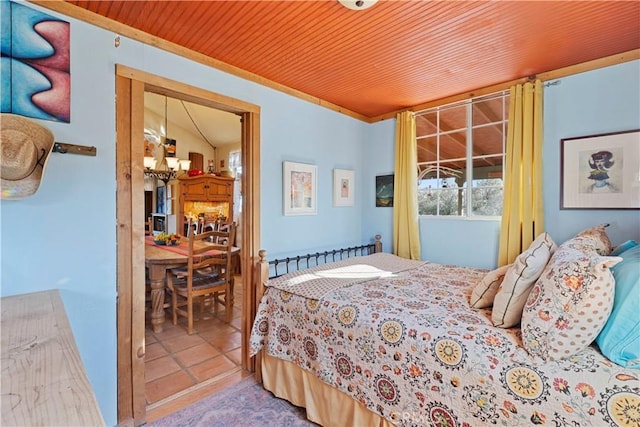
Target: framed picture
600 171
343 187
384 191
300 188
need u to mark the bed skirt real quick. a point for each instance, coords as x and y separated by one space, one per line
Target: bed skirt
325 405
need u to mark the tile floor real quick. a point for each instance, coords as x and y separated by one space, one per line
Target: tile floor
176 362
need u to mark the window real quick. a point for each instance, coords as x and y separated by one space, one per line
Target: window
235 166
460 147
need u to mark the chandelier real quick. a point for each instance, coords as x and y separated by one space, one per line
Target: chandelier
173 165
170 164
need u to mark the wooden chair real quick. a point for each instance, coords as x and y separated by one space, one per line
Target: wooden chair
204 278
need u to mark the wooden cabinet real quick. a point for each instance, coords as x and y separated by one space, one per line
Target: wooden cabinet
43 379
207 195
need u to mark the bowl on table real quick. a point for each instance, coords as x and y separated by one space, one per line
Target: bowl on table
166 240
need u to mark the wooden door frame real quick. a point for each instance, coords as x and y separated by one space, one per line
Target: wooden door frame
130 87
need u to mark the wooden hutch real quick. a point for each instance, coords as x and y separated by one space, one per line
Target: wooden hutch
208 195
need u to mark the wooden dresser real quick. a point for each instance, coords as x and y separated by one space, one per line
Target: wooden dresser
44 382
204 194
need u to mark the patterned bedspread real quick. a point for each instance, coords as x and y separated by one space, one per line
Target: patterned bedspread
411 349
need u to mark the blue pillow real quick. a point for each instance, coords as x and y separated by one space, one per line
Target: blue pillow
619 340
623 247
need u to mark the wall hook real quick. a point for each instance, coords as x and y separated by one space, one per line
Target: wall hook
62 148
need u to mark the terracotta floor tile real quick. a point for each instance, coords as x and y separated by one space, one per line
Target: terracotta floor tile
196 354
154 351
149 338
235 355
227 342
222 330
182 342
176 362
166 386
211 368
169 330
161 367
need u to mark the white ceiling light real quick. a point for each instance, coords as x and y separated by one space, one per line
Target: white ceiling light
358 4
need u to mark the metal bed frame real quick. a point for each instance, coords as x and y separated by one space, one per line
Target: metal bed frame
301 262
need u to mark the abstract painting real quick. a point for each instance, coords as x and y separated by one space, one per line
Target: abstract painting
35 71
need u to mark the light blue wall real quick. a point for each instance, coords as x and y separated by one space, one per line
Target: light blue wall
601 101
65 235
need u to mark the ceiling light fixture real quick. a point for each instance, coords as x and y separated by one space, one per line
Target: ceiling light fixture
358 4
173 164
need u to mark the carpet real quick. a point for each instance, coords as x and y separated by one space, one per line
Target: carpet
245 404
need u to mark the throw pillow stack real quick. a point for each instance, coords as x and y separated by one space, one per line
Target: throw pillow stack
563 297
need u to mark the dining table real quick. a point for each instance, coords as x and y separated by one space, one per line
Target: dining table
158 259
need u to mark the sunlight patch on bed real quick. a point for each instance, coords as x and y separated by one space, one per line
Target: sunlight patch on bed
357 271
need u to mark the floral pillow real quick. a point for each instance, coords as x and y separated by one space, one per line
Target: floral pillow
570 303
597 236
484 292
513 292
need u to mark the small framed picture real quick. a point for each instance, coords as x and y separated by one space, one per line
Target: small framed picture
299 188
600 171
343 187
384 191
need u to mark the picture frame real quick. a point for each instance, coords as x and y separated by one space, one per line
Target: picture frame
343 187
384 191
600 171
299 188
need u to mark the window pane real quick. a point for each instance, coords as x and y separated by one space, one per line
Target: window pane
427 149
426 124
488 111
453 146
486 197
453 118
487 140
443 202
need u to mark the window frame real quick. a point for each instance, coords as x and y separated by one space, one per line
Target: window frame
465 189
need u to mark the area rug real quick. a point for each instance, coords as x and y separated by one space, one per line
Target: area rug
245 404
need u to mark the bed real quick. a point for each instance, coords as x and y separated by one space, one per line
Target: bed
381 340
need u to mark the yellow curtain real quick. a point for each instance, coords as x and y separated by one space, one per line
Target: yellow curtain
522 213
406 235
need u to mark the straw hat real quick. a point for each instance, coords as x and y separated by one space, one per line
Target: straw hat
24 149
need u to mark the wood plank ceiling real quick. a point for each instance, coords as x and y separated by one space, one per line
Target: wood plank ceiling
394 55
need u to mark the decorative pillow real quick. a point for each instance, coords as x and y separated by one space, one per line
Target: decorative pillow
598 236
623 247
620 337
570 303
513 292
484 292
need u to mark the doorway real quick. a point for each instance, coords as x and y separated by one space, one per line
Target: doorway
130 87
181 368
